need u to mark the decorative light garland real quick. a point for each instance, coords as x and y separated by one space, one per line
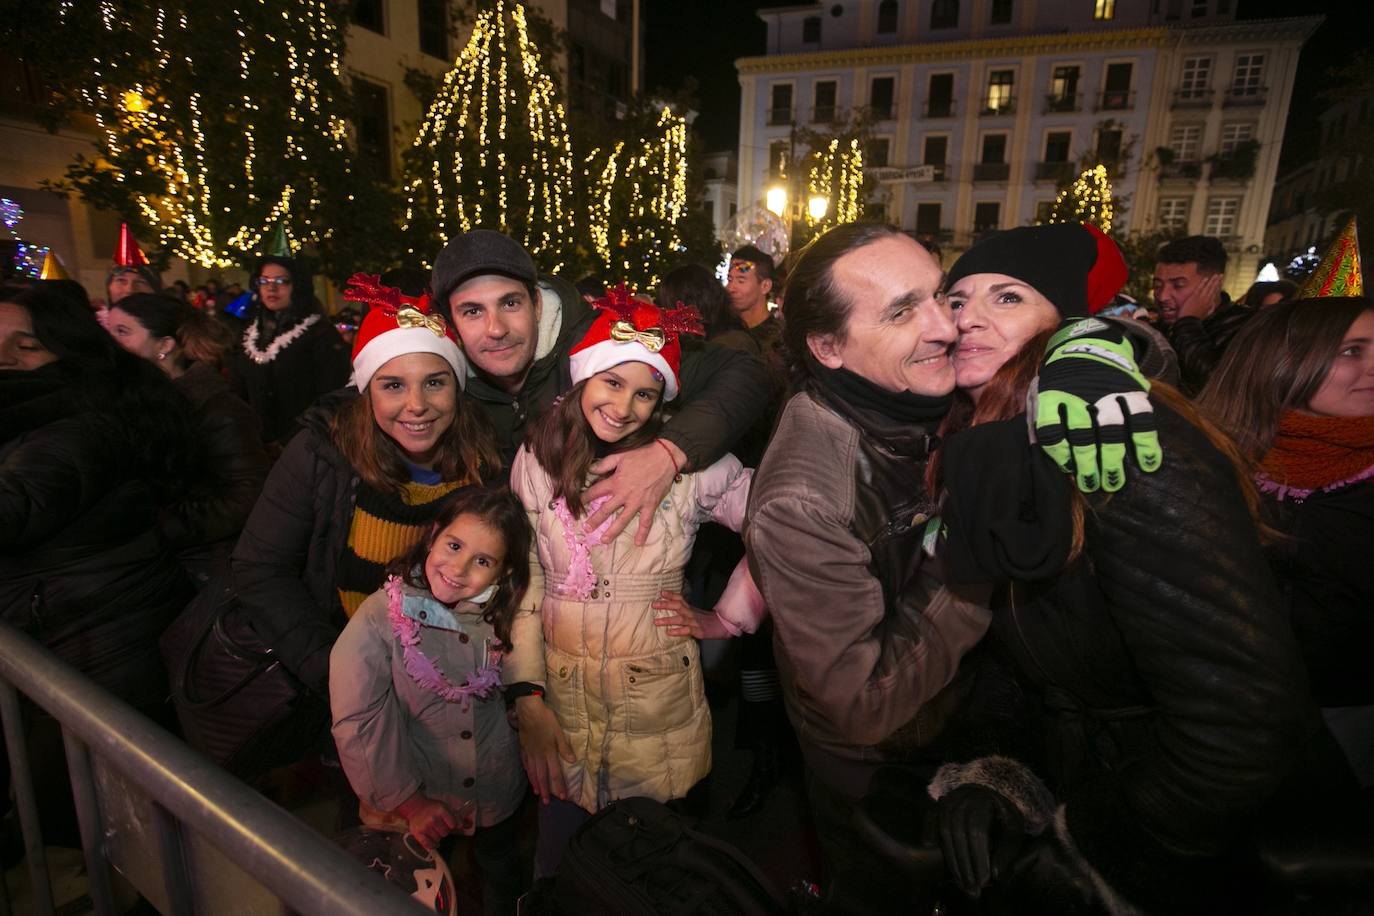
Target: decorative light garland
465 170
146 134
1087 200
837 174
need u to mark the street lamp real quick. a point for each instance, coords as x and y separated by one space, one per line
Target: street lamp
817 207
776 200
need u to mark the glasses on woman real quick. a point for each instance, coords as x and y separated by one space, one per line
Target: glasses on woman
271 281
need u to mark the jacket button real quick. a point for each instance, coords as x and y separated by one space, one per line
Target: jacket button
424 615
686 662
595 593
469 783
550 505
605 581
632 679
465 734
563 672
606 594
463 638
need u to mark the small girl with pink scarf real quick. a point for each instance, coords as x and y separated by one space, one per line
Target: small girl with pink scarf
415 688
605 678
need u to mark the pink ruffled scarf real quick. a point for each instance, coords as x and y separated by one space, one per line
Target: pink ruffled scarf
481 683
581 578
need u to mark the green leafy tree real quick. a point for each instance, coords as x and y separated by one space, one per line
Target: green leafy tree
216 121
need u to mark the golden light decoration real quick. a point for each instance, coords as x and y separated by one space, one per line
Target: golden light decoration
836 173
469 170
147 135
641 188
1087 200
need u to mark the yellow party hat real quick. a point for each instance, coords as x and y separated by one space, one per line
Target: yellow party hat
1338 274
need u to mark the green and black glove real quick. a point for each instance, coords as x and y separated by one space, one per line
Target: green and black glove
1090 401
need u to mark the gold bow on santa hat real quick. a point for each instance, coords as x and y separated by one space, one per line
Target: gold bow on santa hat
414 318
652 339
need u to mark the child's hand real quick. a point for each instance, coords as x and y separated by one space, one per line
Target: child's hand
428 820
686 620
542 745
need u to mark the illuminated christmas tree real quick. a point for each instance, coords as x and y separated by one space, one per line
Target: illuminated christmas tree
493 150
217 121
1087 200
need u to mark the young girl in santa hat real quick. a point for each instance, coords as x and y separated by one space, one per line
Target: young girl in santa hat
415 688
604 678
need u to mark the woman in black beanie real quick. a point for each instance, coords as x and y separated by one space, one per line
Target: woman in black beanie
1166 708
290 354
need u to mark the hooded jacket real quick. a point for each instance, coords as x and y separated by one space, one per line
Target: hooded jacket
723 392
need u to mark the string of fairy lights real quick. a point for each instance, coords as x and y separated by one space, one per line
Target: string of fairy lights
147 134
836 173
654 173
1087 200
469 173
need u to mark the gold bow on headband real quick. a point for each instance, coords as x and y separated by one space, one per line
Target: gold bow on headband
653 339
414 318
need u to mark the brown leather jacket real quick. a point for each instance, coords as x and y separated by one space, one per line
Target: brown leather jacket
866 634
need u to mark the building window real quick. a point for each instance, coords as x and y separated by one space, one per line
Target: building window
1184 140
876 155
373 124
823 111
780 107
881 92
811 30
370 14
1001 12
928 219
1116 88
777 157
987 216
433 28
1221 217
1223 7
708 207
1173 213
994 149
887 17
999 97
940 100
944 14
1108 146
1104 9
1233 135
936 150
875 211
1199 8
1197 75
1057 144
1064 89
1248 74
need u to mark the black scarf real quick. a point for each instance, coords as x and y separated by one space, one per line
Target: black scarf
898 406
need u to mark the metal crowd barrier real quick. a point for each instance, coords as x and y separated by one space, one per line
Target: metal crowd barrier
190 838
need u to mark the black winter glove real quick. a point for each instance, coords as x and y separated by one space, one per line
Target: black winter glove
981 834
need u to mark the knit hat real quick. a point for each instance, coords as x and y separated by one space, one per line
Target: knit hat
1073 265
633 330
479 251
396 325
129 258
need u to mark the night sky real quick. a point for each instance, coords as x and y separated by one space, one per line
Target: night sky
703 38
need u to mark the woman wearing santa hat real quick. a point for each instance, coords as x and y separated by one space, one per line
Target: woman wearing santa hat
360 483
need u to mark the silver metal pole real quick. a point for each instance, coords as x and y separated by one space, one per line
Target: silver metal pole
22 774
92 825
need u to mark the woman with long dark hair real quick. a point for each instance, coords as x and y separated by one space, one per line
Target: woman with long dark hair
290 354
189 347
1296 390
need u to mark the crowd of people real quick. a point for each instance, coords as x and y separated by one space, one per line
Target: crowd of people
1057 612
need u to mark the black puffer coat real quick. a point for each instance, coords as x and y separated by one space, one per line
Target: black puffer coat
281 390
284 565
82 568
233 465
1172 700
1200 342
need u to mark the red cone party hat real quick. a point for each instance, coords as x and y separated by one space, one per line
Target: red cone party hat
127 253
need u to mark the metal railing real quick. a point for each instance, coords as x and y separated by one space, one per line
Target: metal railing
190 837
1062 102
991 171
1192 98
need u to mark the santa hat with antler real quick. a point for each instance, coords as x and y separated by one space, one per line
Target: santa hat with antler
398 324
632 330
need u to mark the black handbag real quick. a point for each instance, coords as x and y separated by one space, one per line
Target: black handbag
236 702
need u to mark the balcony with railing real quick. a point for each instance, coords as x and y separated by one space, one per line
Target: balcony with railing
1116 100
779 117
1245 95
991 171
993 108
938 108
826 114
1193 98
1063 102
1053 171
1181 170
886 112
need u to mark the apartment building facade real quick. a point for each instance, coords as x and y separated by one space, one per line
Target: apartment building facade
979 109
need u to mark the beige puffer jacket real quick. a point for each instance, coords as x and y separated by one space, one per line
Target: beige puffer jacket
629 697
